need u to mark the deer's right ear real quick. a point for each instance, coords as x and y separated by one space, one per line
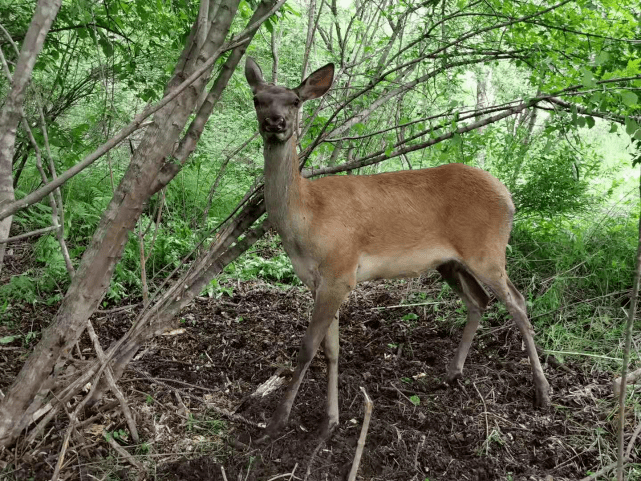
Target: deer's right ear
253 74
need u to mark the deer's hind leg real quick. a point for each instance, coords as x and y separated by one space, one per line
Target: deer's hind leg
496 278
475 299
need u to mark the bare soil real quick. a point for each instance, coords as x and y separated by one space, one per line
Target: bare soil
191 392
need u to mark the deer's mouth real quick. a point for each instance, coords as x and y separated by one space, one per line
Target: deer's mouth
275 129
276 133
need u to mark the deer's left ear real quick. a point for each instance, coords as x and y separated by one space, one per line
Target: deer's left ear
317 84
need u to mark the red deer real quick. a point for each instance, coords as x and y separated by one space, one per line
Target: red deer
340 230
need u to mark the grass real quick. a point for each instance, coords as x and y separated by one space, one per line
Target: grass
577 274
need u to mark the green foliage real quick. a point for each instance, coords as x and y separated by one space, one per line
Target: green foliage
277 268
20 288
266 261
555 182
578 271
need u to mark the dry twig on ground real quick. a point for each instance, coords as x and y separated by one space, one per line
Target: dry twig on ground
369 406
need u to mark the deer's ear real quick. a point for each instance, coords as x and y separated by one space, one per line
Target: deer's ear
317 83
253 74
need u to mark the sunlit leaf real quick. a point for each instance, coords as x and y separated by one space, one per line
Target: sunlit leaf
628 98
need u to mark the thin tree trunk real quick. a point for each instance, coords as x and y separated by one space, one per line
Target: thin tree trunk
626 352
11 113
482 80
275 39
525 143
311 28
20 167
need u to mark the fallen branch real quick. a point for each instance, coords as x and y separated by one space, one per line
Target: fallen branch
571 353
291 475
628 451
63 450
602 471
431 303
112 384
26 235
311 459
222 470
120 450
369 406
487 425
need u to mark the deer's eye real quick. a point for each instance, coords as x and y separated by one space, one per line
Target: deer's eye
296 102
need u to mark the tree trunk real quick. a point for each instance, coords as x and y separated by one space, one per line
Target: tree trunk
150 169
482 80
11 113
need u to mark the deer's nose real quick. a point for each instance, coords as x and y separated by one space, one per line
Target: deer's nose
275 124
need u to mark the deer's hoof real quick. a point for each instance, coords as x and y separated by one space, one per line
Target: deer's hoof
264 439
452 376
274 427
327 429
542 399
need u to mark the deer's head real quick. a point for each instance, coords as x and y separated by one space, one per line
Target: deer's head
277 107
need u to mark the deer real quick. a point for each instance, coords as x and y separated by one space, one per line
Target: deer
344 229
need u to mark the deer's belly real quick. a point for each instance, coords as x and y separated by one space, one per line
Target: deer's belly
401 264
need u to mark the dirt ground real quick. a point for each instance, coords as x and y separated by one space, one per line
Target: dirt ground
191 392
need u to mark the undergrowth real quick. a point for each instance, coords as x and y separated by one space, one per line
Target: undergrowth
576 273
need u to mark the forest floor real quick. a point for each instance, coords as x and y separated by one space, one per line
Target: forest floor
192 392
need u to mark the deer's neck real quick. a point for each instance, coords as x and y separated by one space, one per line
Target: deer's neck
284 187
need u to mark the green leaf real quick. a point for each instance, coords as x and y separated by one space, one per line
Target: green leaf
580 121
269 25
601 58
613 128
587 79
596 97
631 126
388 151
415 400
106 46
629 98
8 339
590 121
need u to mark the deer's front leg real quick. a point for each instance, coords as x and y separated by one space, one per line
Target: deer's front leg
328 300
331 348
